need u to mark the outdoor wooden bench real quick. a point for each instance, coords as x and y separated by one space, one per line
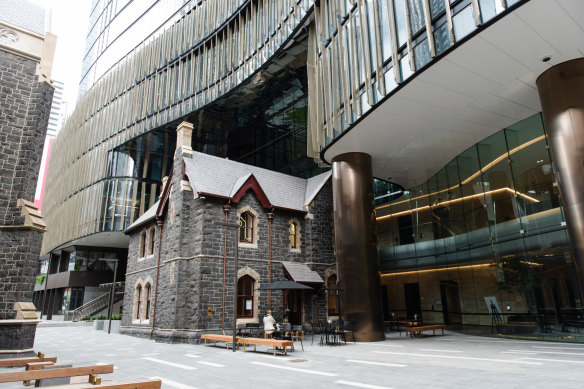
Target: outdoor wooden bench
151 384
418 329
55 373
14 362
218 338
36 366
274 343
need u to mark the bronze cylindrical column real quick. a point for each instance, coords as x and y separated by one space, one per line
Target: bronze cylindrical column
356 245
561 92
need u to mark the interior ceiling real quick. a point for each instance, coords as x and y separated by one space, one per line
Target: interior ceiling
483 86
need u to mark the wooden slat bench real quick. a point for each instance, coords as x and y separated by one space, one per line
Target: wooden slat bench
150 384
36 366
218 338
418 329
23 361
274 343
55 373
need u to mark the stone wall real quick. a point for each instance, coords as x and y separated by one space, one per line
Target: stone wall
19 257
24 111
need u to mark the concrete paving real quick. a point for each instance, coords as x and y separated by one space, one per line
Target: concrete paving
450 361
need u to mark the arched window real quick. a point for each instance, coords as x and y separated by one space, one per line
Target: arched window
142 253
293 235
245 296
137 300
151 241
148 295
331 284
246 227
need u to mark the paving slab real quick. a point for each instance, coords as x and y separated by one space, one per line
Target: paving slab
450 361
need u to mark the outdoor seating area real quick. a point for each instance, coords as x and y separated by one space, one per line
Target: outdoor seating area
277 345
417 330
400 324
334 333
412 327
45 371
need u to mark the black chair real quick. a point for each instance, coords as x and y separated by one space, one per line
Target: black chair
331 335
318 329
298 334
253 329
347 329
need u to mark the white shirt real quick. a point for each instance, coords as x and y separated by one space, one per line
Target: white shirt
269 322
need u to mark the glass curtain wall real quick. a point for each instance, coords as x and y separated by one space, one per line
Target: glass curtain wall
484 242
134 178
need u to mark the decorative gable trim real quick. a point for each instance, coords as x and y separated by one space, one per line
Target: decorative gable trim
252 184
164 196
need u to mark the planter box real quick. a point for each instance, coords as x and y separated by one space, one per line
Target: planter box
98 325
115 326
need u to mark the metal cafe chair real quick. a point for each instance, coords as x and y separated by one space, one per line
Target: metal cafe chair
317 329
298 334
346 329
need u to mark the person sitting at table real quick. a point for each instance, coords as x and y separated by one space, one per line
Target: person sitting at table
269 322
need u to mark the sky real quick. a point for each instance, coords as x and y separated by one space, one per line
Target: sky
68 21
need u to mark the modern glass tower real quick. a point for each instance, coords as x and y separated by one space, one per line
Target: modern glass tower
468 105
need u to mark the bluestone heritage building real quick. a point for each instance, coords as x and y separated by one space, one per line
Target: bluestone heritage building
182 246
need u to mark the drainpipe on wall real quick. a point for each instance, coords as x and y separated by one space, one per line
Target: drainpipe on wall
161 225
226 209
270 219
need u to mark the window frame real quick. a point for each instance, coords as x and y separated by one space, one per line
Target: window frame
148 296
244 227
293 234
151 240
244 297
137 302
142 247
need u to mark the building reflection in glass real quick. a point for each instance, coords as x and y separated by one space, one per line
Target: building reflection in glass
262 123
486 228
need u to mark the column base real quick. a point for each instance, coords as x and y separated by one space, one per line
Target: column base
17 338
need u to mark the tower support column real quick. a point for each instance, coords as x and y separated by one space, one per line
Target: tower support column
561 92
356 245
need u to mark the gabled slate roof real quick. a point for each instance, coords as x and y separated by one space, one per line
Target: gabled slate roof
314 185
219 177
147 216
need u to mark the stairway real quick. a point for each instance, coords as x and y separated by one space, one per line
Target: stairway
96 305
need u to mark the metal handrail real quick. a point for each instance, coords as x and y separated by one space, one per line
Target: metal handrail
92 306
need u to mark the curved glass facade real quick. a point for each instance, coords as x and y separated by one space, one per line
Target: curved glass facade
165 79
116 27
488 227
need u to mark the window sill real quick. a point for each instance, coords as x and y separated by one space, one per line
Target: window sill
248 320
247 245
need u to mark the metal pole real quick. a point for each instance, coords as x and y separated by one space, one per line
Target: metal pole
236 226
226 209
270 219
160 225
235 288
111 303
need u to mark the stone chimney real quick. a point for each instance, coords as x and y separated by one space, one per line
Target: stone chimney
164 182
184 132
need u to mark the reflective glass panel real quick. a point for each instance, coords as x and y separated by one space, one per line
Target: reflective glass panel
463 23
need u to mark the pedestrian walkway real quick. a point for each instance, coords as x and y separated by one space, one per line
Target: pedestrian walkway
450 361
